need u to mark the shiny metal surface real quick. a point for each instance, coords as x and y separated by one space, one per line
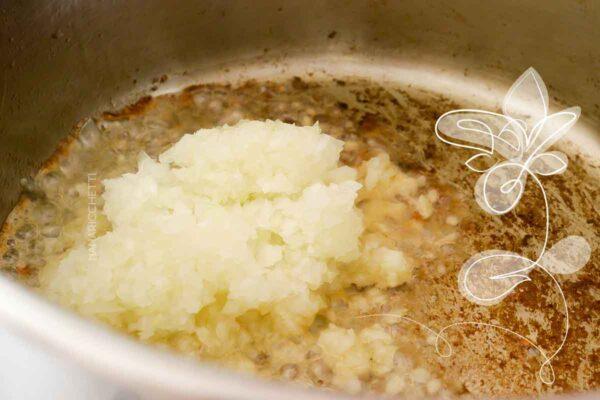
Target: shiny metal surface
64 60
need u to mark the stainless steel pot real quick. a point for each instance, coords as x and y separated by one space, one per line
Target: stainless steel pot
64 60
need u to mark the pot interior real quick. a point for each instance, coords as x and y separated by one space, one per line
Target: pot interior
390 68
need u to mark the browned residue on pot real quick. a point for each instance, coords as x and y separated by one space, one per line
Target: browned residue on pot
485 361
130 110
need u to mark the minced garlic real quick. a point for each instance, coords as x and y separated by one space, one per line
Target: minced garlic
252 217
352 355
229 245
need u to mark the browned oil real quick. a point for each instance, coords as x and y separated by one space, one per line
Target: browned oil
484 361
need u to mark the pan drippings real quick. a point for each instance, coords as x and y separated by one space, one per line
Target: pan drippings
368 337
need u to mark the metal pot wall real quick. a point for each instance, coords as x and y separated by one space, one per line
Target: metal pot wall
64 60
